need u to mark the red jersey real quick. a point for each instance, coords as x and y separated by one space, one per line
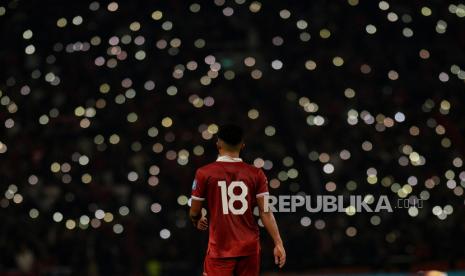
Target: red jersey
230 187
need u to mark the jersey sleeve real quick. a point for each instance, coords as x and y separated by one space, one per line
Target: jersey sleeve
262 184
199 187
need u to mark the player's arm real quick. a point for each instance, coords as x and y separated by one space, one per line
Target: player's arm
197 198
269 222
195 215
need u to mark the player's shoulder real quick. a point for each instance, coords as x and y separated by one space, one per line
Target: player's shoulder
250 167
251 171
217 165
207 167
245 167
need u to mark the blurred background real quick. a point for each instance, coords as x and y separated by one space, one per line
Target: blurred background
108 108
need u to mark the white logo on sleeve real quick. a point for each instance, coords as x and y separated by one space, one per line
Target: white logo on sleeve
194 184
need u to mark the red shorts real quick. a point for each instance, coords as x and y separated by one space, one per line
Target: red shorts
237 266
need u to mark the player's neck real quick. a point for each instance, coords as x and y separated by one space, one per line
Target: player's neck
231 154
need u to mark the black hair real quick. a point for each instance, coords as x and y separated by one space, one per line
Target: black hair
231 134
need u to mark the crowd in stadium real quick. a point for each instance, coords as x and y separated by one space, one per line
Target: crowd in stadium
109 113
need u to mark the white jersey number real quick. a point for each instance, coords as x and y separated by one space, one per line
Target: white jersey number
228 205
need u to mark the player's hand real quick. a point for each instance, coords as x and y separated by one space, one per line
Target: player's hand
202 224
279 255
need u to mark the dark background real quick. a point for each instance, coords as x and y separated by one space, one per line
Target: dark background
44 133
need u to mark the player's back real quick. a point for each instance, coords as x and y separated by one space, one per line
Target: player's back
230 187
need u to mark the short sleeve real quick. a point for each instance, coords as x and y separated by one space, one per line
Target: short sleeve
199 186
262 184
